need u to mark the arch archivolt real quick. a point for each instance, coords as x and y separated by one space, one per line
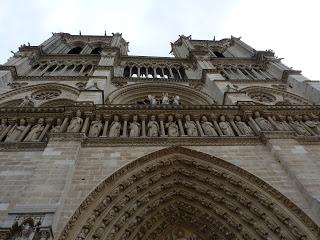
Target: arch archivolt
274 96
133 93
39 94
177 192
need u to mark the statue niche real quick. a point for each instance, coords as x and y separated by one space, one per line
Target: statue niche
95 127
153 127
35 131
75 123
115 127
16 131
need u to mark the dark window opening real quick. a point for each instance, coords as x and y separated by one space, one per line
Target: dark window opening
43 67
50 69
69 68
182 73
150 72
143 72
126 72
134 72
35 66
175 73
159 73
87 68
75 50
78 68
60 67
97 50
218 54
166 73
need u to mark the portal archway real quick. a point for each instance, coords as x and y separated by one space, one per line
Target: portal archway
181 193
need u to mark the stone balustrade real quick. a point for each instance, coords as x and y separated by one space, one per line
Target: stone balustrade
132 122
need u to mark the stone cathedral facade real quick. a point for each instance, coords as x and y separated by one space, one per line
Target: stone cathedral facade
220 141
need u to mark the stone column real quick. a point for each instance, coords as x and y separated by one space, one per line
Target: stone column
234 126
143 125
5 131
216 125
196 118
181 129
161 119
64 124
254 125
85 126
46 128
106 125
26 130
274 124
125 125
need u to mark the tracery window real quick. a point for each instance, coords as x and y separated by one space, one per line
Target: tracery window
262 97
45 94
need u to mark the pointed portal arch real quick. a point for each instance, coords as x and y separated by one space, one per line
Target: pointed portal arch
178 193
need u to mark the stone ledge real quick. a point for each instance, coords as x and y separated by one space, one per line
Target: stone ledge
22 146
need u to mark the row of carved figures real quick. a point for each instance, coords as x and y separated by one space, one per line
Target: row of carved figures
156 126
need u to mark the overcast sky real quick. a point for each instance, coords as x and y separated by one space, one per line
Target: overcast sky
289 27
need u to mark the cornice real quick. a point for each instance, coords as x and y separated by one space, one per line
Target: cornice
53 78
22 146
78 57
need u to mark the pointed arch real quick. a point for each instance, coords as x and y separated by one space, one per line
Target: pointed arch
178 188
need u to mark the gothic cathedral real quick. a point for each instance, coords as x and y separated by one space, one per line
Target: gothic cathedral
220 142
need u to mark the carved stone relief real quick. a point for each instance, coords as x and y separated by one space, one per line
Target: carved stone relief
45 94
179 193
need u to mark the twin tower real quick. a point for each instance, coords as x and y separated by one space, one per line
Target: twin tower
220 141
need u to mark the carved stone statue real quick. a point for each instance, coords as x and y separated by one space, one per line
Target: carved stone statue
35 131
3 125
191 127
83 234
176 100
207 127
264 124
153 127
26 230
115 127
165 99
27 102
300 129
134 127
173 130
282 125
243 127
57 127
95 127
313 125
152 100
225 126
75 123
15 132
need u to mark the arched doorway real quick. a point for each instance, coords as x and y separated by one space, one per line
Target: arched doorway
178 193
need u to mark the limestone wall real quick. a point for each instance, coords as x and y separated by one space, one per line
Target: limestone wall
60 177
